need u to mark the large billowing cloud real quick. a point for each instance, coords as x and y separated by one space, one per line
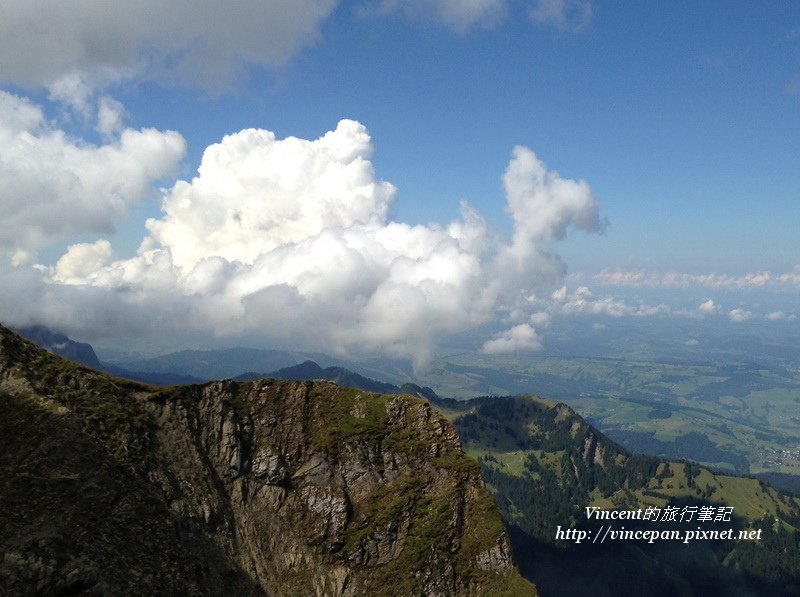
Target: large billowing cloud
254 194
67 46
289 239
543 205
53 187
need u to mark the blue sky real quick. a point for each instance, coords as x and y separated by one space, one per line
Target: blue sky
683 118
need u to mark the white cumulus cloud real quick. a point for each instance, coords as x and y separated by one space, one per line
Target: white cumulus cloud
708 307
519 338
792 278
53 187
583 302
290 239
82 260
254 193
739 315
543 205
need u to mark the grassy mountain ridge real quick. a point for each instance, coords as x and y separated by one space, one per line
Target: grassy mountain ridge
732 414
277 487
545 465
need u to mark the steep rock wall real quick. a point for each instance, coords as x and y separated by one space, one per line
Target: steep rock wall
264 487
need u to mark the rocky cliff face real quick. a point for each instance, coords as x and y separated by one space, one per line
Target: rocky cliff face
264 487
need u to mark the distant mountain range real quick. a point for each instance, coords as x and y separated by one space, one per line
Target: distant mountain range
342 377
83 353
225 363
195 366
60 344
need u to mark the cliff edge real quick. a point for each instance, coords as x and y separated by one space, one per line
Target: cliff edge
263 487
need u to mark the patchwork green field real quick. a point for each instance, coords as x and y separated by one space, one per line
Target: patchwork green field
741 417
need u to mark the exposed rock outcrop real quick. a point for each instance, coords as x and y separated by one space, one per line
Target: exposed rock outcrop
265 487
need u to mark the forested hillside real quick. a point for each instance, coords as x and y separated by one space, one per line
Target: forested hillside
546 465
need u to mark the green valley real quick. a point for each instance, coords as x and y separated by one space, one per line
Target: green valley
546 465
741 417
